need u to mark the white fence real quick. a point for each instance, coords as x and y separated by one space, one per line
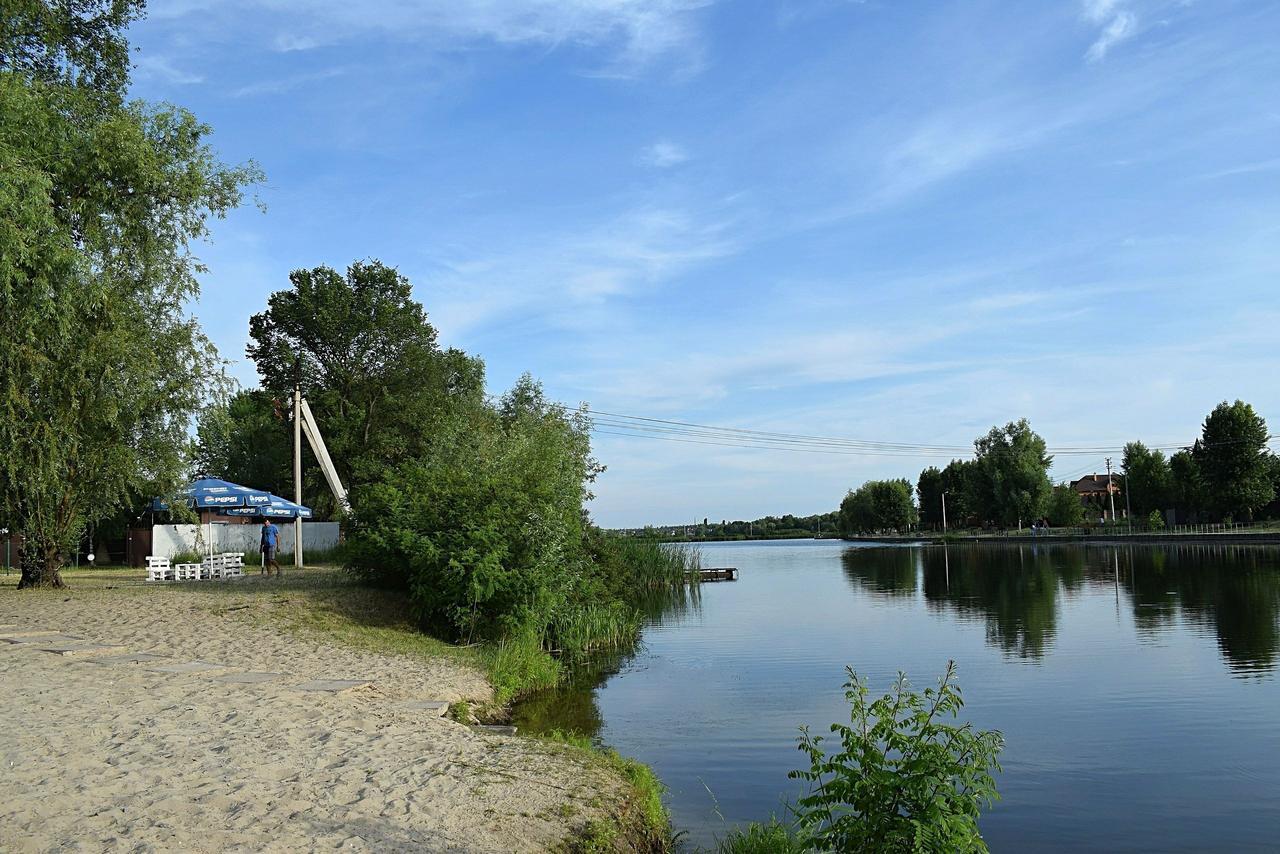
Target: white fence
169 540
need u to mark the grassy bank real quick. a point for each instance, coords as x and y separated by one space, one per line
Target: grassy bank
643 825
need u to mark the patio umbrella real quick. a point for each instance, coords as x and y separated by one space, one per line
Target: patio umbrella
231 499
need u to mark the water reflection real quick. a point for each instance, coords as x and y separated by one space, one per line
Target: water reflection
1133 651
1233 591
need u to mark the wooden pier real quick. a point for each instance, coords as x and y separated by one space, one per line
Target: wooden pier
727 573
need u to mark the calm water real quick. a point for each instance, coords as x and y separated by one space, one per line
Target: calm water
1136 688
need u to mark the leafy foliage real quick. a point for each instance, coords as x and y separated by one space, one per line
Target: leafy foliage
1065 509
1014 469
100 365
899 777
246 440
929 489
369 365
1148 479
1233 460
877 506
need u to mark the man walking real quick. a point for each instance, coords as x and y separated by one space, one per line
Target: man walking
270 539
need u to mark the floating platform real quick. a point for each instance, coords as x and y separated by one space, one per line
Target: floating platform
726 573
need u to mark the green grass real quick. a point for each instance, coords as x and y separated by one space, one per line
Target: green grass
771 838
518 665
645 823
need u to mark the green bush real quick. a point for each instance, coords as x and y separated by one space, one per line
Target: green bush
488 537
1156 521
900 777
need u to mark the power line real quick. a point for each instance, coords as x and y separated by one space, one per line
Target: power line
623 425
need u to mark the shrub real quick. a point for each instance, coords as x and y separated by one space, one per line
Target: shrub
901 778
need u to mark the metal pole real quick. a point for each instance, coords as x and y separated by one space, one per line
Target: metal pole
297 462
944 512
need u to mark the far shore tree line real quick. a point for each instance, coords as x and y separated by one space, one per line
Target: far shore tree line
1228 474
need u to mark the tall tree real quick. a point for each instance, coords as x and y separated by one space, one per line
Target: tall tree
960 485
878 505
1234 461
929 493
371 369
1186 485
1014 471
1148 480
246 440
100 364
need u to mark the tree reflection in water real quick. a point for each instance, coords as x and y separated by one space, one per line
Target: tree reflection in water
1233 591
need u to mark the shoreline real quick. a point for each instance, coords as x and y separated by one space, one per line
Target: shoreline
116 754
1155 538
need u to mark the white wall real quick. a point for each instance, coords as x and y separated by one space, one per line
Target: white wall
168 540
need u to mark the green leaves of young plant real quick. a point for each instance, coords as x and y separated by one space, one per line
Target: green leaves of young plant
901 775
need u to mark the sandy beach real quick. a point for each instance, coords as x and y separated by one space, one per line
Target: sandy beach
113 755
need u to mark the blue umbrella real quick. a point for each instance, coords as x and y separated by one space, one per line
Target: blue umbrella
232 499
276 508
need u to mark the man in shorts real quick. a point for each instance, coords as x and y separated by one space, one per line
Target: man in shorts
270 539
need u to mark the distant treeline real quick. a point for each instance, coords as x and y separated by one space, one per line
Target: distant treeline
786 527
1228 474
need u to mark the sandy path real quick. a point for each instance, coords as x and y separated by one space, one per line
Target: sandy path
117 757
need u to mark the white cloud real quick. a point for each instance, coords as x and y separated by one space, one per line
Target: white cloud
663 154
290 42
1118 24
574 270
637 31
285 84
161 69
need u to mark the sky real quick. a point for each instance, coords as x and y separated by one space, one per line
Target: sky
892 221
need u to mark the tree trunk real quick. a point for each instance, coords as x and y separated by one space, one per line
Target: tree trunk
40 566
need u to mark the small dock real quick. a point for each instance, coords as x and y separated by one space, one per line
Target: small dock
727 573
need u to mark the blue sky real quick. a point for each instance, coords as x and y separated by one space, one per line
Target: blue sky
882 220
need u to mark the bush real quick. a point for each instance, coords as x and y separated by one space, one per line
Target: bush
1156 521
901 778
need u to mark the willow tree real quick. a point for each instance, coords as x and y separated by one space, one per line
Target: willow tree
100 362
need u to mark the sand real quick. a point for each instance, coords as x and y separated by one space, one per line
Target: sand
114 755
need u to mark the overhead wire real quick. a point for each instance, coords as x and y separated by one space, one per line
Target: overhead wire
606 423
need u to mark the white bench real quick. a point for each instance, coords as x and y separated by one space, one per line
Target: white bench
158 569
233 564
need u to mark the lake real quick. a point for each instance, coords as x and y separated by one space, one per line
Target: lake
1135 686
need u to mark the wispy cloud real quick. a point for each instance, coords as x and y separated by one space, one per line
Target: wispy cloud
285 84
1245 169
636 32
290 42
560 274
663 154
1118 24
161 69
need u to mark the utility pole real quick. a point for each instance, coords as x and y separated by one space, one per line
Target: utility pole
1128 511
944 512
297 460
1110 491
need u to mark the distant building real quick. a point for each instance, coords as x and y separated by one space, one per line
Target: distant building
1095 491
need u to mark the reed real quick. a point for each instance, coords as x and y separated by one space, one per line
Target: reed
588 628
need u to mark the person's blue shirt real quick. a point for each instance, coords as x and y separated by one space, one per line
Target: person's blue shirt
270 534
